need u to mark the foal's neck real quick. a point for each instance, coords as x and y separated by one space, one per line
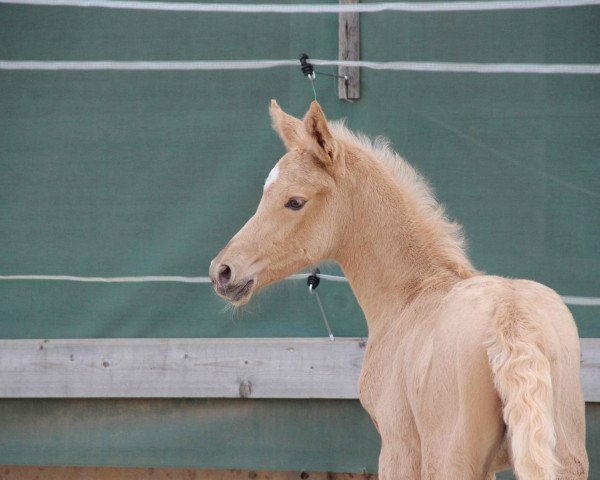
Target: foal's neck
395 250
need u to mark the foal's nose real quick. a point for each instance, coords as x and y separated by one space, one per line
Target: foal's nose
223 275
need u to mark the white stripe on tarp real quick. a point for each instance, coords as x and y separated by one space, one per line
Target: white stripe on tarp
148 278
568 299
143 65
583 301
73 278
469 67
448 67
324 276
314 8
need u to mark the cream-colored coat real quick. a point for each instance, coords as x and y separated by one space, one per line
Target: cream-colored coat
465 374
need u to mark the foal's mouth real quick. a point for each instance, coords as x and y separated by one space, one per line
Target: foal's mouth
236 293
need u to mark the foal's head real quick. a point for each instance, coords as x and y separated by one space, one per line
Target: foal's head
300 218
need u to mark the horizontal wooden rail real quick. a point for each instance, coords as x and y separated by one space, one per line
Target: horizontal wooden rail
258 368
225 368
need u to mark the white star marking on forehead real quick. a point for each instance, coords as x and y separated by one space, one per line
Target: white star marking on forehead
273 174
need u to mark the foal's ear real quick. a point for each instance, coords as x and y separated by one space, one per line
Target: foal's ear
289 128
325 146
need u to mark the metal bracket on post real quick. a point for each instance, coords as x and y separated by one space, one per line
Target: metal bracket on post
349 49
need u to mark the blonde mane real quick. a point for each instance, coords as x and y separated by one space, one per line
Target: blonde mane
416 186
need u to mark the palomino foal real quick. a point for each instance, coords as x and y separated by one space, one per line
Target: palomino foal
464 374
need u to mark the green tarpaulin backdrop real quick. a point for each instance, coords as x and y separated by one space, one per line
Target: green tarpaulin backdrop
150 173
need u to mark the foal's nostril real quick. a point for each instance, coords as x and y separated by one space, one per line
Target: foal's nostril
224 275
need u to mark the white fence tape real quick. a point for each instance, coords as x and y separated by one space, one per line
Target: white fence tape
314 8
446 67
568 299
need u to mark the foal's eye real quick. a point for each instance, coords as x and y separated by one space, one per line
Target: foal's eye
295 203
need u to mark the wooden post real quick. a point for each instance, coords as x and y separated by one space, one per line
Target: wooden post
349 49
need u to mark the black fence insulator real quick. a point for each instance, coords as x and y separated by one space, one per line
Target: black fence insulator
313 279
307 68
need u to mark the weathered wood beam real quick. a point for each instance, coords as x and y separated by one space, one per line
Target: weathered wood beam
349 49
590 368
222 368
202 368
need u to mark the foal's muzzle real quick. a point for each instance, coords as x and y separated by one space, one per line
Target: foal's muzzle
228 286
